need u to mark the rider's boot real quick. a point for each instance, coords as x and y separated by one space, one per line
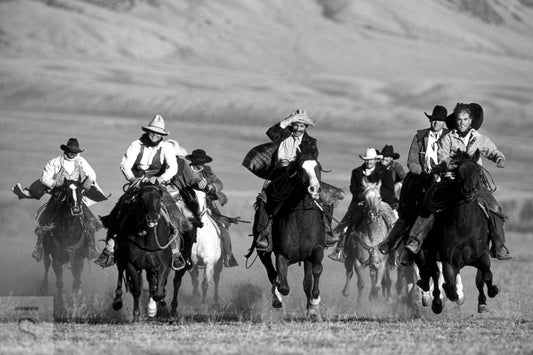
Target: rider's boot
395 233
497 236
21 192
338 253
38 251
331 239
107 257
417 235
262 241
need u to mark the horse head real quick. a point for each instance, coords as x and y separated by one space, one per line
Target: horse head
69 194
468 175
311 169
150 195
372 195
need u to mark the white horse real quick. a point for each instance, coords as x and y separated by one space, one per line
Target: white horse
206 252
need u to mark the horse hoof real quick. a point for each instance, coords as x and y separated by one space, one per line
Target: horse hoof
460 300
284 290
277 303
314 317
345 293
493 291
117 305
482 308
436 306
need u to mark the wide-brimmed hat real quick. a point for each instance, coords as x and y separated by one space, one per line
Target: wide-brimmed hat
177 148
156 125
71 146
199 157
370 153
476 113
388 151
300 116
439 113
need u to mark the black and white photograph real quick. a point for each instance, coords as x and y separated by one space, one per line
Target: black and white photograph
266 177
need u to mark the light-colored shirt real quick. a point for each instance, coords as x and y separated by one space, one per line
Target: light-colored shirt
60 168
431 150
167 158
451 142
288 148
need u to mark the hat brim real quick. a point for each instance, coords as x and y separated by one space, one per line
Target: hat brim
196 160
435 118
379 156
67 149
393 156
157 130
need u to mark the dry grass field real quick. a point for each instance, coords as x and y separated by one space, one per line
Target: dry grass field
221 73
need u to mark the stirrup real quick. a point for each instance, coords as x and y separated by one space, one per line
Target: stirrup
180 262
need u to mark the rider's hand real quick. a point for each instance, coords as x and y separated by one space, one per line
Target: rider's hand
160 180
500 163
202 184
87 183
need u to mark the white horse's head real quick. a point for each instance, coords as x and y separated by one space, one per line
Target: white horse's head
314 185
372 196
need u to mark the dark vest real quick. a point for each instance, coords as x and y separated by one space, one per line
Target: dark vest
155 169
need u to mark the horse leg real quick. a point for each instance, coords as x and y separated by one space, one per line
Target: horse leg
207 276
484 277
450 278
44 285
266 260
117 301
282 265
216 278
349 266
380 269
436 276
135 278
178 276
58 270
313 269
76 269
386 284
194 280
360 280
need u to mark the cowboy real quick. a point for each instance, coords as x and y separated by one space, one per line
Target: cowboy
148 157
215 197
420 162
290 145
464 124
389 161
68 166
374 173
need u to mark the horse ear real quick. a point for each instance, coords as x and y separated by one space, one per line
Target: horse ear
379 184
476 155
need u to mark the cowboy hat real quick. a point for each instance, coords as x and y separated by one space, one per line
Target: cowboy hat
177 148
199 157
476 113
370 154
439 113
72 146
300 116
156 125
388 151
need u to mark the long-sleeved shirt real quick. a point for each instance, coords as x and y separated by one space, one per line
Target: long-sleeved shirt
450 143
60 168
140 157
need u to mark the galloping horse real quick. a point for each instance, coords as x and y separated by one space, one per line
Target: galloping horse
67 239
143 243
460 236
206 252
361 245
297 234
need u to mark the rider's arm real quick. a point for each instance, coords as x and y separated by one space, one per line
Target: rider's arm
489 150
413 160
445 147
171 163
50 170
129 159
87 168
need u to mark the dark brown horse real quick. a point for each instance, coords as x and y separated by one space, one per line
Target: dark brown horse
460 237
297 233
143 243
67 239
